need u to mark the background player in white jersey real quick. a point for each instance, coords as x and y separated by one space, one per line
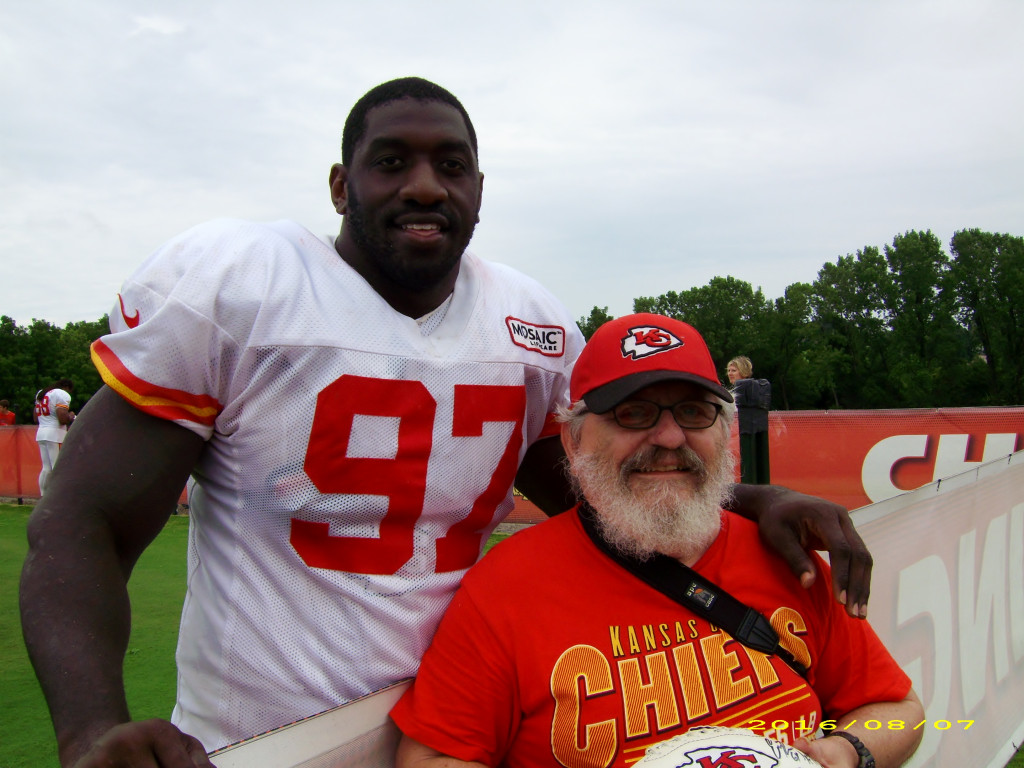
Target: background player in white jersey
354 426
54 415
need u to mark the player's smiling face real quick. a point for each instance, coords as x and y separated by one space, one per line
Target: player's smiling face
410 197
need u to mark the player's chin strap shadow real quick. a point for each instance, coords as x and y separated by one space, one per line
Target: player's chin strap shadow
698 595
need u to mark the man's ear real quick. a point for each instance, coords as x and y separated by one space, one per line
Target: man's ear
570 446
339 192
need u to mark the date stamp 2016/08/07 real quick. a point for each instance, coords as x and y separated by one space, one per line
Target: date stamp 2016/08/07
802 726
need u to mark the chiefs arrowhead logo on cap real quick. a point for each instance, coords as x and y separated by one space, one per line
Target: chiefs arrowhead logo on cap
629 353
645 340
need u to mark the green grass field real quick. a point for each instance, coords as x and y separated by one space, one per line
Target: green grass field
157 589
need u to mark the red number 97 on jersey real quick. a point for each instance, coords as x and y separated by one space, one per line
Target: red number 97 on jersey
403 478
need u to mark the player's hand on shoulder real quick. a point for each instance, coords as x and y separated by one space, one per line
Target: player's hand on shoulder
145 744
794 523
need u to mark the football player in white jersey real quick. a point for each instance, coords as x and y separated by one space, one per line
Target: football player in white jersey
54 416
353 427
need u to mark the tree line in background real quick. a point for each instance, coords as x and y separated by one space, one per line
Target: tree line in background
909 326
34 356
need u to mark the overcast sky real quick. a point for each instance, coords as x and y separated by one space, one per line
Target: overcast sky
629 148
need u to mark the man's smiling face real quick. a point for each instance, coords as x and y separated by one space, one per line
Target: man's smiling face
654 490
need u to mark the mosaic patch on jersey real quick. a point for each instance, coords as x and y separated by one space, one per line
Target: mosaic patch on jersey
647 340
548 340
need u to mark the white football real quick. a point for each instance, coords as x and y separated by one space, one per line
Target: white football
711 745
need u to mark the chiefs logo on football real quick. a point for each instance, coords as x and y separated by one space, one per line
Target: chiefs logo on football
646 340
728 758
719 757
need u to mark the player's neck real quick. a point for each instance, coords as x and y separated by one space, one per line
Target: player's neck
415 302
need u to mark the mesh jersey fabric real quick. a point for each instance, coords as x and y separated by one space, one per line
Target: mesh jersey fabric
596 669
353 467
50 429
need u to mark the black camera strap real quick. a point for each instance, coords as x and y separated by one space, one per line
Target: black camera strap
699 595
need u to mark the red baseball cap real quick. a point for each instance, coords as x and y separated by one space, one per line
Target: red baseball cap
635 351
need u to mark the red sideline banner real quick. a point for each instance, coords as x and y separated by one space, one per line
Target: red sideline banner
860 457
947 599
19 462
850 457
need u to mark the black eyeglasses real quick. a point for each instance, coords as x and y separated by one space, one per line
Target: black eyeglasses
644 414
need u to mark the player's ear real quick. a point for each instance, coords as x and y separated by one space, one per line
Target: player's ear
339 192
479 198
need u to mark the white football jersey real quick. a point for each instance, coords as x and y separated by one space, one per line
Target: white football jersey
50 429
355 463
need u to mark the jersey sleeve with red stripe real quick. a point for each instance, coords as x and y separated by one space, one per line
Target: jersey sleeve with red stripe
180 322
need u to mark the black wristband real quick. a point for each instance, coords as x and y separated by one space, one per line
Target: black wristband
867 760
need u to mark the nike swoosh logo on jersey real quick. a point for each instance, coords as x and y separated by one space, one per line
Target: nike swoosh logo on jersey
132 321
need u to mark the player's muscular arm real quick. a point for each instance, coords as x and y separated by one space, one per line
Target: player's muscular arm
118 479
541 477
413 754
792 523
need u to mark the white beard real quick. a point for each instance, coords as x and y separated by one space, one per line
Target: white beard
663 517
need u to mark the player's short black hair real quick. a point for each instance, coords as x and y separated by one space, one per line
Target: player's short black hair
394 90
